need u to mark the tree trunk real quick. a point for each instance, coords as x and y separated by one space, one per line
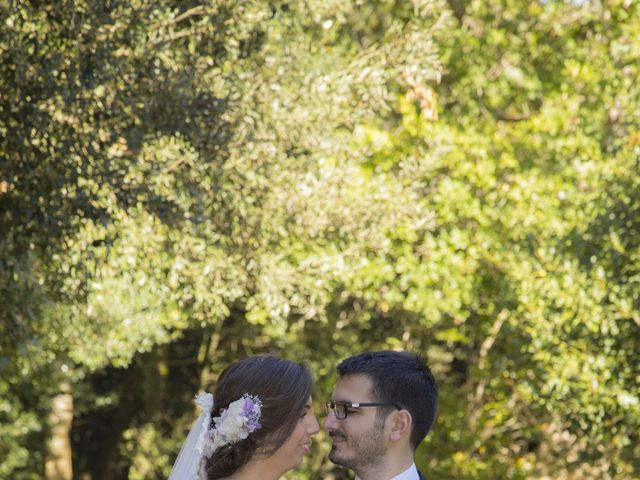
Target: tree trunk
58 462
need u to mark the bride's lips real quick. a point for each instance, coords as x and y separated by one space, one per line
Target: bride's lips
306 446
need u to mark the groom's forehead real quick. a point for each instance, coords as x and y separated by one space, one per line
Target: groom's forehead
353 388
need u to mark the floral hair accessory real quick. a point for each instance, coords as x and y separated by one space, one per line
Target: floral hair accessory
235 423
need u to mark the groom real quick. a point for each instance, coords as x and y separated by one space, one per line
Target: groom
382 407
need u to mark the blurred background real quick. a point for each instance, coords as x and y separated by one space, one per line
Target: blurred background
184 183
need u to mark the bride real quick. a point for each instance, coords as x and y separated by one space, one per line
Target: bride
257 425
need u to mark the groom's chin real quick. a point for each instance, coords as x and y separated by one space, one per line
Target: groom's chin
334 457
332 454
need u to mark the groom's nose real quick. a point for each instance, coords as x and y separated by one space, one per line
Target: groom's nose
330 421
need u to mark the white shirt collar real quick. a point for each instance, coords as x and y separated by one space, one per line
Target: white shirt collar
410 473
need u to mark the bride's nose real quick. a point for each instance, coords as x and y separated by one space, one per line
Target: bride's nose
313 427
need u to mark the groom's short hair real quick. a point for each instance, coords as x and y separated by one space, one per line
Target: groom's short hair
402 378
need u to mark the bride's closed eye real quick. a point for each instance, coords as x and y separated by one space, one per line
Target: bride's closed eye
307 409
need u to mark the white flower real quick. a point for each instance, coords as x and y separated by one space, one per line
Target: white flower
232 421
235 423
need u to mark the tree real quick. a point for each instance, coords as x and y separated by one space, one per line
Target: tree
183 184
150 149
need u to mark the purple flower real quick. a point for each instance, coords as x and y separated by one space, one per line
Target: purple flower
248 406
252 426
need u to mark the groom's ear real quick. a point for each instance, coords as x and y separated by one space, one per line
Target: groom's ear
400 423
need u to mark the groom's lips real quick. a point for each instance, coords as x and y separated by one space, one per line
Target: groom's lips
338 437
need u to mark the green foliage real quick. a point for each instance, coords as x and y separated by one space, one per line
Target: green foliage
182 184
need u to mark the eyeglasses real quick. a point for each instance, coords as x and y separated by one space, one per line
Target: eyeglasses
341 409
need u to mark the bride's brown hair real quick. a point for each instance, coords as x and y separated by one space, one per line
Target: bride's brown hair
283 388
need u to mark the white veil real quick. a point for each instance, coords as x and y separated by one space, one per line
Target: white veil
188 462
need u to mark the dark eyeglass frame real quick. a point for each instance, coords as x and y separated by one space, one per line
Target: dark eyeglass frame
332 406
